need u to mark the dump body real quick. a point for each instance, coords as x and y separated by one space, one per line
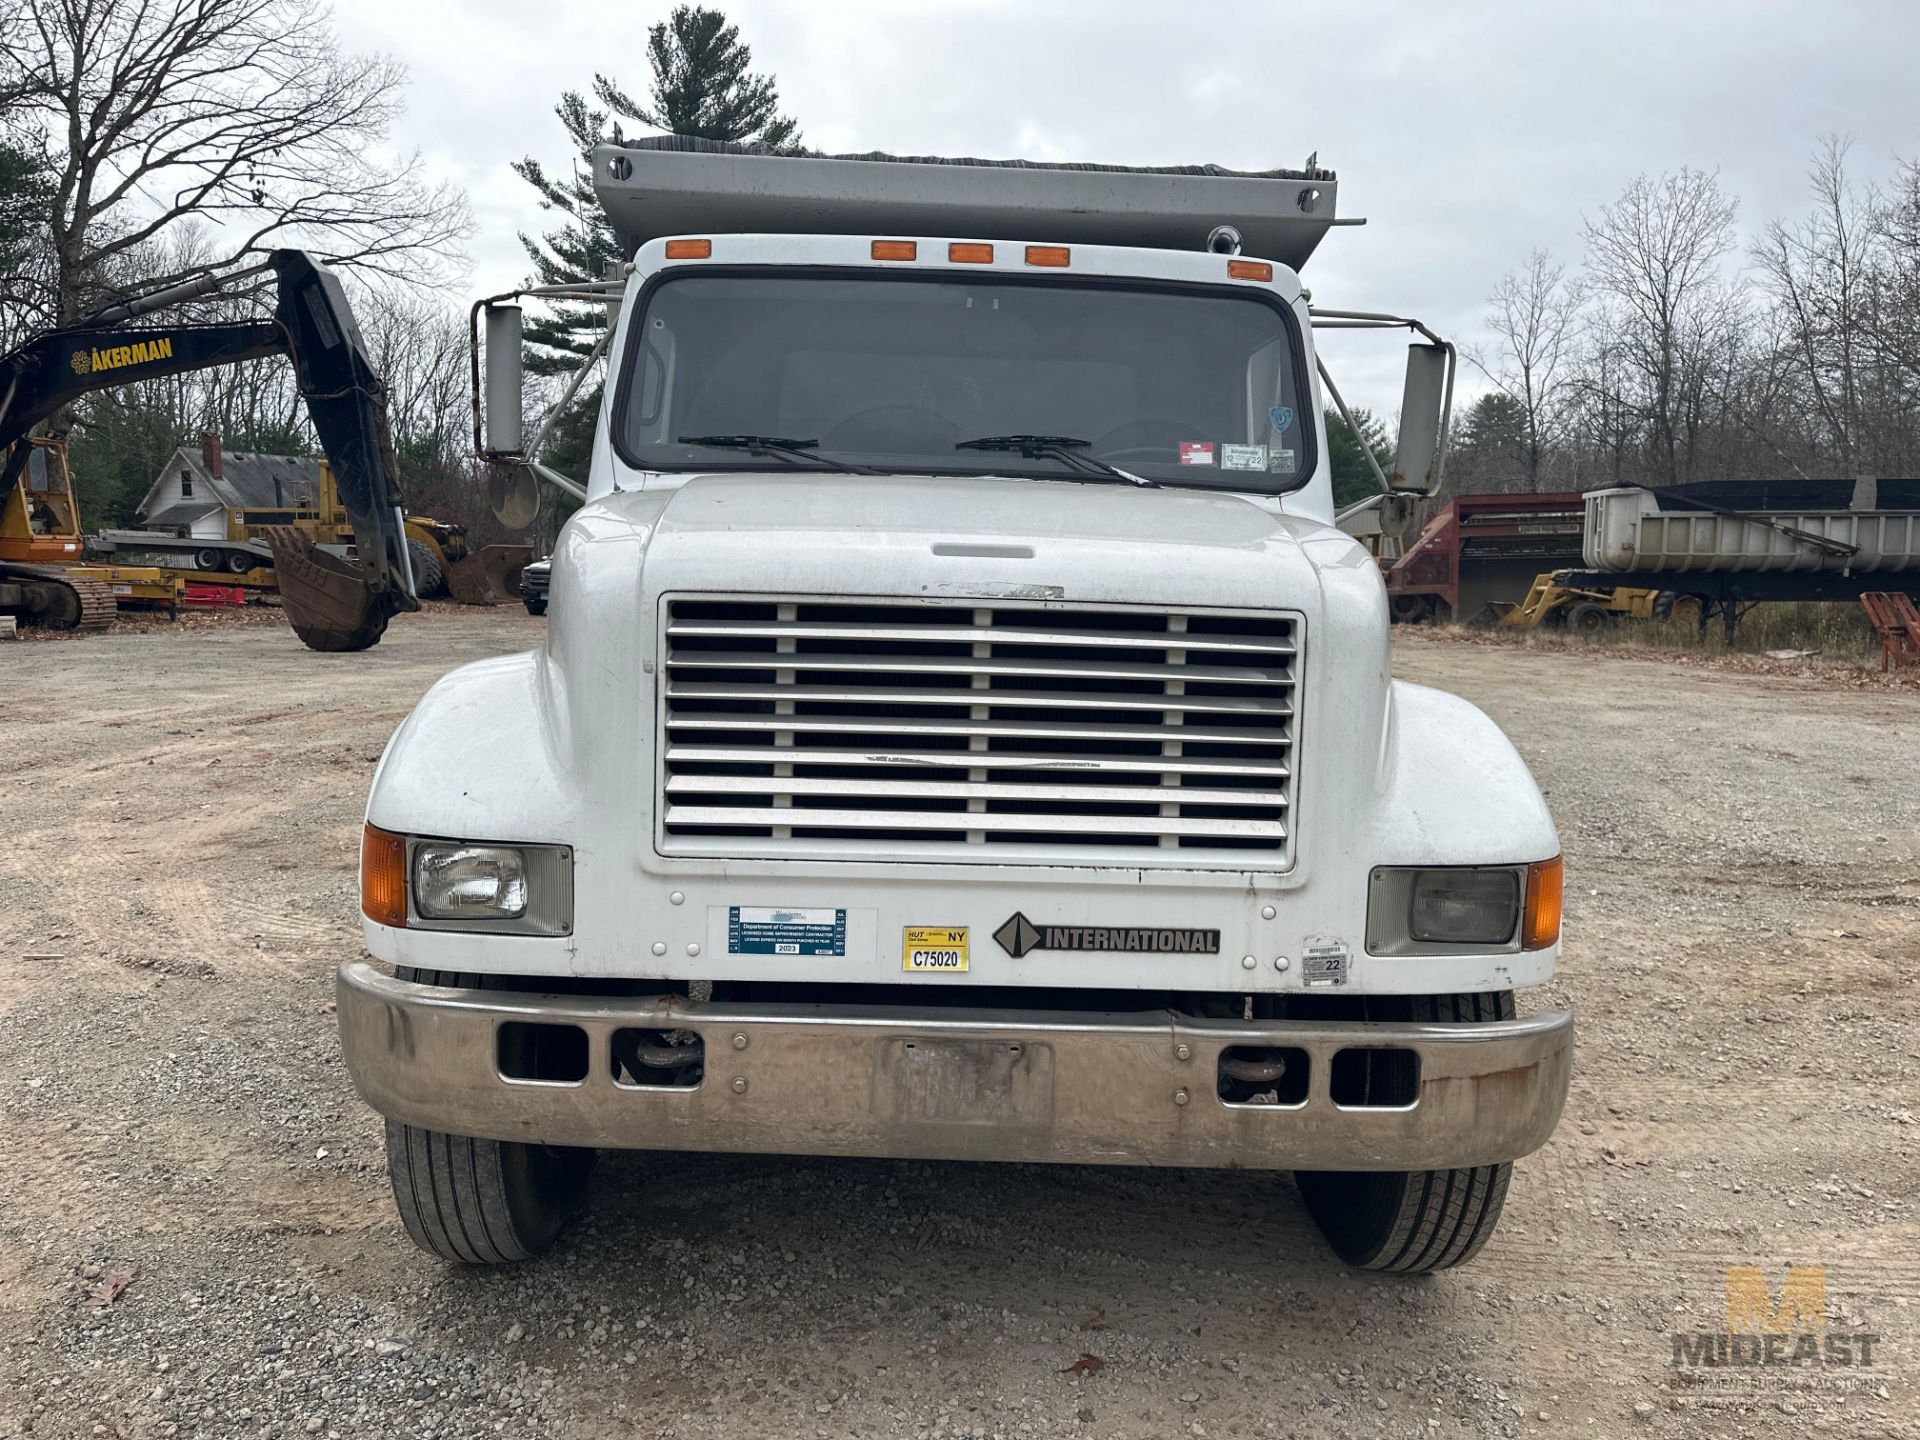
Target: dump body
1631 530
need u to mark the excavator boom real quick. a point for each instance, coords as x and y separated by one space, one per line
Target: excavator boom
331 602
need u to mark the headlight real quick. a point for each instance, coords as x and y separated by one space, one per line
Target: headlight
469 882
1459 909
1463 907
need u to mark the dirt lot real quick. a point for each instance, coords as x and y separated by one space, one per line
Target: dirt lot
177 887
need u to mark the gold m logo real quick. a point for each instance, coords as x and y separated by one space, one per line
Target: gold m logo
1751 1308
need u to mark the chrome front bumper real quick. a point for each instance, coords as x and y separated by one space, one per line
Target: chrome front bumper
1136 1089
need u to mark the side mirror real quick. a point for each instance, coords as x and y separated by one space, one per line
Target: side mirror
1424 407
505 428
514 495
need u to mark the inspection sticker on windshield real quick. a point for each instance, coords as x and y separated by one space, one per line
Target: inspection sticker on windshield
770 930
1282 462
934 948
1243 457
1196 452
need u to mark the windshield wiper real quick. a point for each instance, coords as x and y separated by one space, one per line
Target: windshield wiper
779 445
1063 448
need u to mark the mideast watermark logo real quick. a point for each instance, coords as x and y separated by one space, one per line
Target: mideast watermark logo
1778 1337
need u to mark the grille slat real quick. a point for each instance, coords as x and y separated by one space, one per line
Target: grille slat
837 728
966 634
966 666
1022 730
961 790
801 693
692 755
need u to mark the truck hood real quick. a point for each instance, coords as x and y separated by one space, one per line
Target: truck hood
991 537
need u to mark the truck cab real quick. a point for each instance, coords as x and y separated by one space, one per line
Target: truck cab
961 733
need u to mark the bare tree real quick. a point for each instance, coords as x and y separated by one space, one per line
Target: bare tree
243 113
1655 253
1534 316
1819 271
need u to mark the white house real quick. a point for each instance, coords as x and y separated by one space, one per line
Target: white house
197 490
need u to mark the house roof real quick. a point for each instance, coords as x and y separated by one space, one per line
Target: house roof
246 480
184 513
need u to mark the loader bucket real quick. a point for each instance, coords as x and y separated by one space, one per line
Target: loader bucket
490 575
326 598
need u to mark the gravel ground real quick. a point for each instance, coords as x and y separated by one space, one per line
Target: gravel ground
196 1237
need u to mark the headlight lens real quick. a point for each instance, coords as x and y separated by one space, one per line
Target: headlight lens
1464 907
469 882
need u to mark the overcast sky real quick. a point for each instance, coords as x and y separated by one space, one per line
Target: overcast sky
1467 132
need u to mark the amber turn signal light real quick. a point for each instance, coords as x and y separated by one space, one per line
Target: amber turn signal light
689 249
1540 927
383 877
961 253
1249 270
895 250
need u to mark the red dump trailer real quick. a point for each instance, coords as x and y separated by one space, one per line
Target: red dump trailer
1479 548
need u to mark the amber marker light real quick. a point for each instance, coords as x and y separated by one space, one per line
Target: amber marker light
383 877
895 250
1540 926
1058 256
689 249
967 253
1249 270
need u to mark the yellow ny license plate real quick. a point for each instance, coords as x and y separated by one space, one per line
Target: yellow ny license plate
934 948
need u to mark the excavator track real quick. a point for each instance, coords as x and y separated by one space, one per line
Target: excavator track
58 600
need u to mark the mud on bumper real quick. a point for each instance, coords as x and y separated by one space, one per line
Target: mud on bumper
955 1084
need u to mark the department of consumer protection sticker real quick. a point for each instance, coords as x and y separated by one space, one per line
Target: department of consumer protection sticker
940 949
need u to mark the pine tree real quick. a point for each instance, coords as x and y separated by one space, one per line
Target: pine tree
1353 478
702 87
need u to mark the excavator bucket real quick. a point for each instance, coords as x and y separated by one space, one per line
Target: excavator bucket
489 576
327 599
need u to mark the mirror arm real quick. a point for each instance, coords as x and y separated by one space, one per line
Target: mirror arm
1360 439
566 398
557 480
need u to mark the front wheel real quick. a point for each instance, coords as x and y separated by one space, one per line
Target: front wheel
1413 1221
481 1202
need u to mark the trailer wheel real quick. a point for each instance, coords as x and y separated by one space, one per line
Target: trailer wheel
1410 609
1412 1222
1590 618
206 559
480 1202
239 562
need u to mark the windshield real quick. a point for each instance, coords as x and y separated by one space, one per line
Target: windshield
1183 386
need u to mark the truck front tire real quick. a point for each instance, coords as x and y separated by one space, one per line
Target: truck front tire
480 1202
1413 1222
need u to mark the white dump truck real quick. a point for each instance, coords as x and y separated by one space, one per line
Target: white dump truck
962 732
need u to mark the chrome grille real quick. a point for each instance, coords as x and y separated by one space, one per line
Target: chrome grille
799 728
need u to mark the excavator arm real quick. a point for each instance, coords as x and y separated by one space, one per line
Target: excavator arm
332 603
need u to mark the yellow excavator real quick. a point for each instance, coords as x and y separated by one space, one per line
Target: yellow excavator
332 601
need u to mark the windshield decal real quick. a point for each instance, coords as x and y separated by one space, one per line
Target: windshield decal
1196 452
1281 416
1243 457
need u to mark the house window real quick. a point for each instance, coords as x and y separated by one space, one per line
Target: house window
186 484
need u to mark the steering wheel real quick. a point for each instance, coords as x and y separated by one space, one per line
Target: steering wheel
1144 434
906 428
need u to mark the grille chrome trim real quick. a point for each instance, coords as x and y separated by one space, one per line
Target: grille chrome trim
808 728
